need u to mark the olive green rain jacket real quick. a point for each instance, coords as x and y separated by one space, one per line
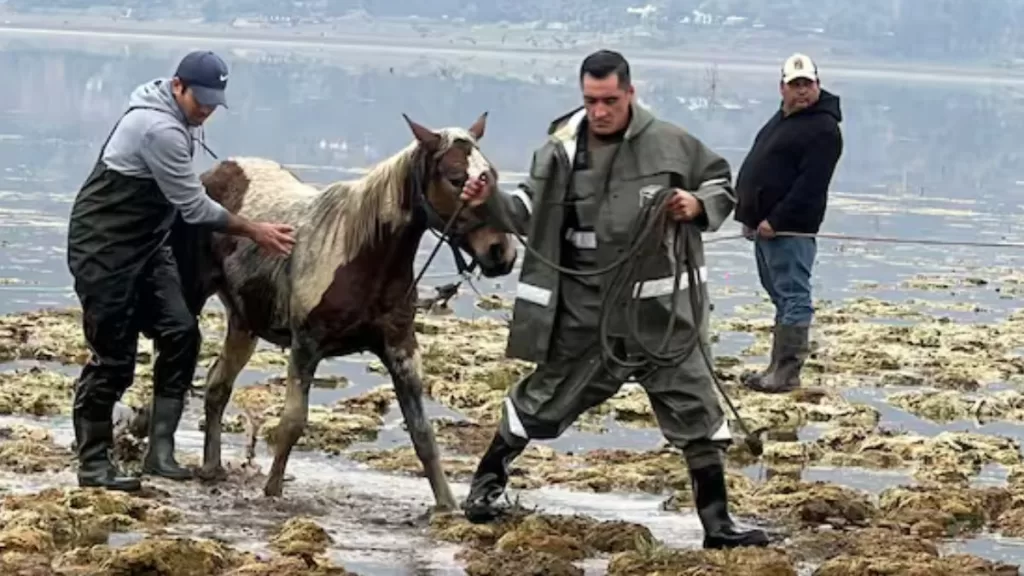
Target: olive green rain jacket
653 152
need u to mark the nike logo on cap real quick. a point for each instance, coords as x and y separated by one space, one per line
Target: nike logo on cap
223 77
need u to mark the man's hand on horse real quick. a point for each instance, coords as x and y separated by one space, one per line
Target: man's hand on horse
684 206
476 191
273 237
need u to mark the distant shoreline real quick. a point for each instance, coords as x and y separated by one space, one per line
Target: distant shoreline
390 38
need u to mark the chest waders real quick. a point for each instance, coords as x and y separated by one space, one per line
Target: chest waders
127 282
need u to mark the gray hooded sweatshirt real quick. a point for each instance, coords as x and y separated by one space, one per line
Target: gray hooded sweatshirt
158 145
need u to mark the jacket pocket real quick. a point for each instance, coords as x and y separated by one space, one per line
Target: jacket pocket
625 199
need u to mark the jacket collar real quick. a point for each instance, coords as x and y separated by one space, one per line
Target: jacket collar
564 129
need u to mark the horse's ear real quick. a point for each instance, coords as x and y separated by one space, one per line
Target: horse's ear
426 136
477 129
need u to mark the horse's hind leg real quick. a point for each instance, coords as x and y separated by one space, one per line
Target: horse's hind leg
235 353
403 363
301 368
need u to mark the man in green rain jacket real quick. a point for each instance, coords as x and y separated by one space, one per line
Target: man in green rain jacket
577 208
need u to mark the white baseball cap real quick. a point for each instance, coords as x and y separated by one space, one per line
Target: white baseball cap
799 66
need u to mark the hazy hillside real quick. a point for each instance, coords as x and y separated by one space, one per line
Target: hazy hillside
936 30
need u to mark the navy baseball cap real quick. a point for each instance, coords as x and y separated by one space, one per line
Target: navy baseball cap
207 75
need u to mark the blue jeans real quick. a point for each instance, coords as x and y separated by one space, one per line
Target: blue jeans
784 264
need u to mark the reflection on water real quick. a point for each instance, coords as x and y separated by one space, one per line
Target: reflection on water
920 161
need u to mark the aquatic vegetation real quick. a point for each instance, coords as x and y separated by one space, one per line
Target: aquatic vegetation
302 537
670 562
67 532
831 528
537 543
881 448
29 450
948 405
160 557
36 528
288 565
35 392
806 504
886 551
913 565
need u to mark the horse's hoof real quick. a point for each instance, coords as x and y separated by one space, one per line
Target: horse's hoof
272 489
212 473
429 516
444 508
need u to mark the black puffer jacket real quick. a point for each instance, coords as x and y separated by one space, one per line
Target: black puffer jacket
785 176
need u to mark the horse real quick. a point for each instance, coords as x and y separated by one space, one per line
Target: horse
347 285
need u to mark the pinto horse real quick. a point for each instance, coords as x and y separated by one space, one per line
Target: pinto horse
346 287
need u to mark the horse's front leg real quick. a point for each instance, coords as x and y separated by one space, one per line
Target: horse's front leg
305 356
238 348
403 363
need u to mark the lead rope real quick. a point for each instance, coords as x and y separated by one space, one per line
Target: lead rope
440 242
883 239
202 141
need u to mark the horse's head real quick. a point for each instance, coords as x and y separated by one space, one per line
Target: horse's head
453 156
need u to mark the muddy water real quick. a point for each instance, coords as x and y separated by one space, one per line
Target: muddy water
377 518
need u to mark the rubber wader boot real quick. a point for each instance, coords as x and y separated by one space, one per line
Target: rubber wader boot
95 469
756 381
712 501
490 479
163 421
793 348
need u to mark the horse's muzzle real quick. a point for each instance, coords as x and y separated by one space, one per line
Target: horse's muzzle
495 264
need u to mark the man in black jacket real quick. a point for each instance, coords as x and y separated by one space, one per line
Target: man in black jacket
782 187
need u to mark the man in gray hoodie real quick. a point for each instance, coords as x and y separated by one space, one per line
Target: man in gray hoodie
126 274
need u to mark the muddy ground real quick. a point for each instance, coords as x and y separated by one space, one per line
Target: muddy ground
357 490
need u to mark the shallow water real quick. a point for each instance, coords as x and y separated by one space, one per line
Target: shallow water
378 518
903 174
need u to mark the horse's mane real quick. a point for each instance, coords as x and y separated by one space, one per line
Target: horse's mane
351 215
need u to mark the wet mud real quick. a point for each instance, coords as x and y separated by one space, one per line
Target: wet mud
956 372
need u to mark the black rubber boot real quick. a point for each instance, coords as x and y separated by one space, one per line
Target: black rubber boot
757 379
163 422
95 469
712 502
792 346
490 479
